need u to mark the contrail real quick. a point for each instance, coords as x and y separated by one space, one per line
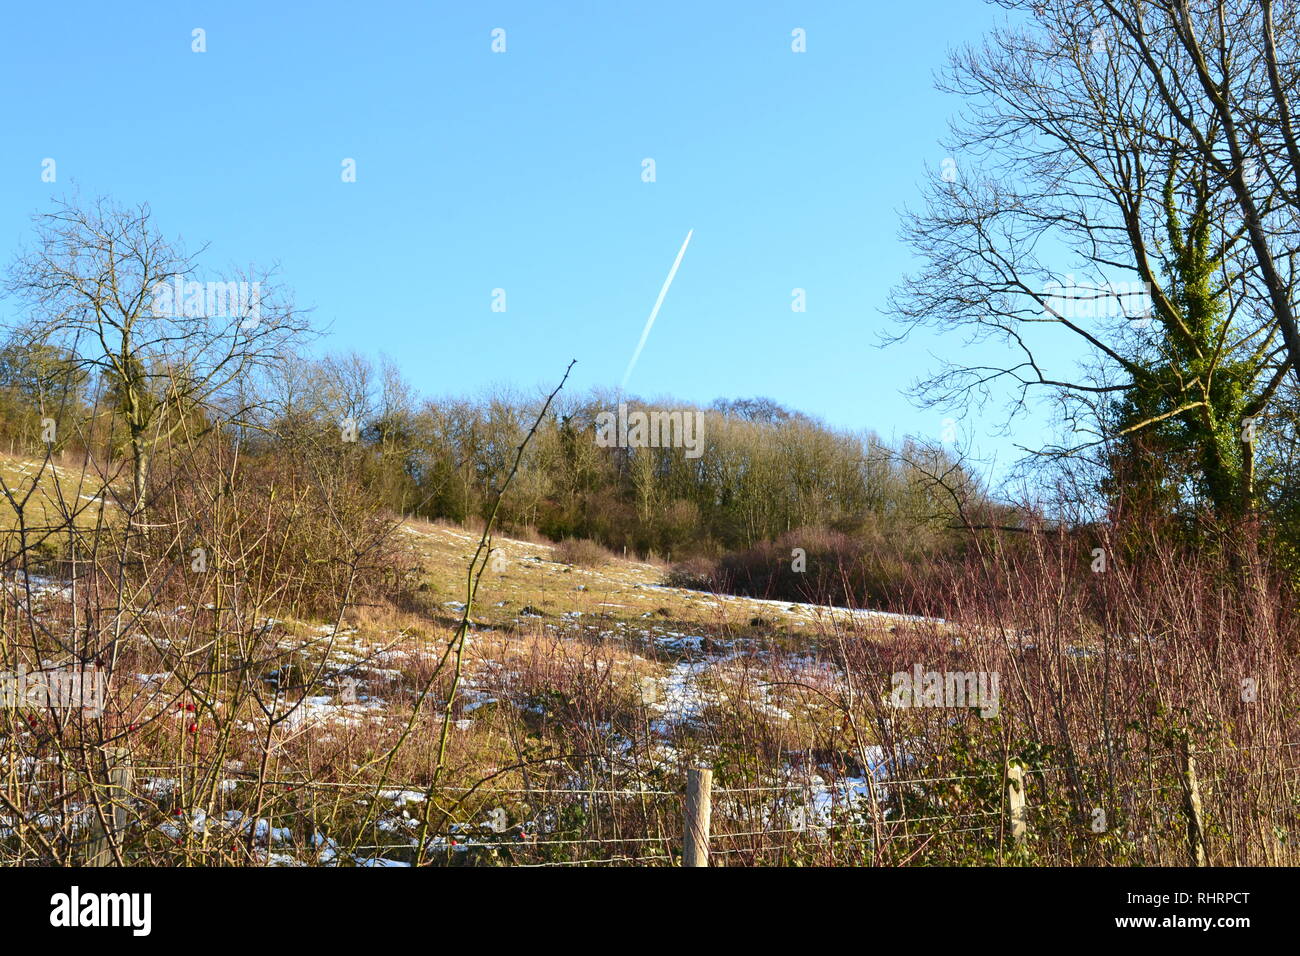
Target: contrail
645 333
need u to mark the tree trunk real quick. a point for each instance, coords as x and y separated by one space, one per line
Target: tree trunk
139 479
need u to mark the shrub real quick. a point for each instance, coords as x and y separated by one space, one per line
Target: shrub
581 552
698 574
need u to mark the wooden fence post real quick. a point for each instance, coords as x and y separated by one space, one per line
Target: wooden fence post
121 782
1192 807
1016 803
699 810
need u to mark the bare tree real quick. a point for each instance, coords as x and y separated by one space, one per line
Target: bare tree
1226 72
103 285
1076 220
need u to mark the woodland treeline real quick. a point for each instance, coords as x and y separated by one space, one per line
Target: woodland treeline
765 471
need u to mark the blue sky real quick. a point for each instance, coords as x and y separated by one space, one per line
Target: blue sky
523 171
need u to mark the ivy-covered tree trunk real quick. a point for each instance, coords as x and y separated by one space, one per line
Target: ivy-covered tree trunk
1188 415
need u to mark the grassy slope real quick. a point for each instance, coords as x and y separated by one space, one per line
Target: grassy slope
620 593
47 492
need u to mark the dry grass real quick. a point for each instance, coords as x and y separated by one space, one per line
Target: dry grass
586 693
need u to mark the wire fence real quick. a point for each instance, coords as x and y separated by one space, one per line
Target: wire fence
229 816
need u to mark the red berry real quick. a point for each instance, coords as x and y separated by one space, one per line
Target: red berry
194 728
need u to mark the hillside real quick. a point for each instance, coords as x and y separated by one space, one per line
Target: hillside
261 722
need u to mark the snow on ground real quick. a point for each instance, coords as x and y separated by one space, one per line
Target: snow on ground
323 710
